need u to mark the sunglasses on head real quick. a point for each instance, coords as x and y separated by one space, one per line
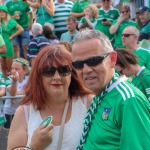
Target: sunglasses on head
127 35
105 0
124 11
92 61
62 70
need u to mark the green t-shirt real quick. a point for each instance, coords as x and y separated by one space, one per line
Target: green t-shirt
22 9
118 34
7 31
111 15
78 7
142 81
1 41
93 21
122 120
144 57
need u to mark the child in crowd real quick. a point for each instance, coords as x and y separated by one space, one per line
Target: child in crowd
2 93
15 84
91 15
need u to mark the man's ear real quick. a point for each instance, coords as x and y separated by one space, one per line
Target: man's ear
113 56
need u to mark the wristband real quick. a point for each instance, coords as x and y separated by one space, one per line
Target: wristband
14 82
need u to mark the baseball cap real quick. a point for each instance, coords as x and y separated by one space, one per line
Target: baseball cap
4 8
143 9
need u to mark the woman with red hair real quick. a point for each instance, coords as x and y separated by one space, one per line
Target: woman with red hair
53 89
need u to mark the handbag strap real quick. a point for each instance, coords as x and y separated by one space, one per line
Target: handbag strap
62 125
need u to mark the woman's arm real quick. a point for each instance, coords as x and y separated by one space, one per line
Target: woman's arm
2 91
19 31
50 8
2 49
77 15
18 130
33 4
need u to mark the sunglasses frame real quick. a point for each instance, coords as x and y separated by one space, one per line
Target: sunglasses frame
127 35
53 70
124 11
98 60
106 0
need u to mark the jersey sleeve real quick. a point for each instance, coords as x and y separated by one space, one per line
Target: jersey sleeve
75 7
11 24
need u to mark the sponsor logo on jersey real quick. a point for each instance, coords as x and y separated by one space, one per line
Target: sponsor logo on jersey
106 113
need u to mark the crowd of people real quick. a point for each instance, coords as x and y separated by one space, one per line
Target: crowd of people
84 63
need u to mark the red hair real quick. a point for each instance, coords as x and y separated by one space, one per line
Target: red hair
35 92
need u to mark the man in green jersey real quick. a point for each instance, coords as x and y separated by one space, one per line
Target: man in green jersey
130 37
118 117
144 16
107 14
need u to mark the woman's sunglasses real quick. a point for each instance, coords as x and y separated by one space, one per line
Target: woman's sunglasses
62 70
92 61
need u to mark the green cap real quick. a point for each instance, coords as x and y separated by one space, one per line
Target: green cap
4 8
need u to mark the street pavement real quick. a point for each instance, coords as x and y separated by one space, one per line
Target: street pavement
3 139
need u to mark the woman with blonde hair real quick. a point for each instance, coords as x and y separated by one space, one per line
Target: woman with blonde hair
9 29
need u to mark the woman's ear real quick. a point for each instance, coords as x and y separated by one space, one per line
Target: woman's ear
113 56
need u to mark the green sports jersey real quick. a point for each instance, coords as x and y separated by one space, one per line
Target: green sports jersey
93 21
22 9
2 80
145 32
7 31
78 7
118 34
144 57
142 81
122 120
111 15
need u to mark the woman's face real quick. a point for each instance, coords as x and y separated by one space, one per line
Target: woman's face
57 84
125 13
88 12
3 14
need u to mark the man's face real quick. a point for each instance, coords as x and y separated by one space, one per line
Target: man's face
71 25
128 37
93 77
144 17
106 3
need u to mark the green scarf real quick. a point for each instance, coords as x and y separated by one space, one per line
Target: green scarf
90 113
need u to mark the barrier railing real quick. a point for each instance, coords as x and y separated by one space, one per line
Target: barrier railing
11 97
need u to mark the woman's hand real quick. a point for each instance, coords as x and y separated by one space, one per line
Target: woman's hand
41 137
15 76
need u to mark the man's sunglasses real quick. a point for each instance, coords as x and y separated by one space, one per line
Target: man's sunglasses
92 61
62 70
127 35
105 0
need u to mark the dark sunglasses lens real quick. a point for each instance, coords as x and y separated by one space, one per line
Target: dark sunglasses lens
48 72
78 64
126 35
64 70
93 61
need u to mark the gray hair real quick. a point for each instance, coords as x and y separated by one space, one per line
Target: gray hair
134 30
94 34
37 28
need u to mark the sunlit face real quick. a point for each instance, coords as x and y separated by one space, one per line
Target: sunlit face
106 3
17 67
128 37
56 84
144 17
88 12
3 14
71 25
96 77
125 13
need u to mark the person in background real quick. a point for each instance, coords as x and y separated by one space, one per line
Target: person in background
72 31
91 15
47 32
85 26
45 11
120 24
9 30
78 9
55 91
130 37
144 17
107 14
37 42
119 111
62 12
127 64
21 12
15 84
2 45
